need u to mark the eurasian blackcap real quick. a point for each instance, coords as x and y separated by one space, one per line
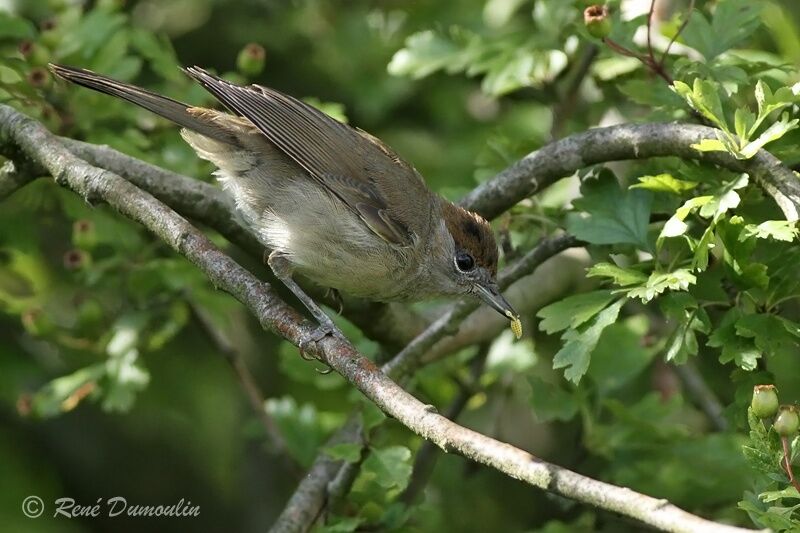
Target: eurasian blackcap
332 202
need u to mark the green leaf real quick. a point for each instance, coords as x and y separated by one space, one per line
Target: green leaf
703 97
573 311
390 466
300 426
773 335
724 198
15 28
683 309
775 131
54 398
774 495
551 402
620 276
664 183
658 282
768 102
741 351
340 524
645 92
779 230
700 257
620 355
743 120
125 376
424 53
710 145
731 23
344 451
574 356
613 215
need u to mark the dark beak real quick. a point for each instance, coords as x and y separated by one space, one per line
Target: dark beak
491 295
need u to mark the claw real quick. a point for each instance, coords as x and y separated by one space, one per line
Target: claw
319 333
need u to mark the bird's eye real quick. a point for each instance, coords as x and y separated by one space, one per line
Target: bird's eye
464 261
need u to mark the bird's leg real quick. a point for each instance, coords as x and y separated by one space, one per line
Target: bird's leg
283 271
336 296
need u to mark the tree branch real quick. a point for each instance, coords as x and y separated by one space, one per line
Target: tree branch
97 185
563 158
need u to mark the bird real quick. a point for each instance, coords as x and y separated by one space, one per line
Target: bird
333 203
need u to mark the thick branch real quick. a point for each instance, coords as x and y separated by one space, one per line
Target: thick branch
99 185
562 158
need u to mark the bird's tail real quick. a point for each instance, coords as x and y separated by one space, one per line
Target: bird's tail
168 108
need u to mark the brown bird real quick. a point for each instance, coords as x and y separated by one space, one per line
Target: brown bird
332 202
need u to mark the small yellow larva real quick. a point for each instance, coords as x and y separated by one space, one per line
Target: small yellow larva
516 325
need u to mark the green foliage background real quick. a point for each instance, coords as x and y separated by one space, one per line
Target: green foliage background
109 384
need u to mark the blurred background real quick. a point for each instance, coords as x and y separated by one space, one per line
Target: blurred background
111 382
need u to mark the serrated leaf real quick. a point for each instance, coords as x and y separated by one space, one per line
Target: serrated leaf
621 276
664 183
731 22
612 215
703 97
573 310
724 198
575 355
739 350
775 131
779 230
391 466
658 282
773 335
775 495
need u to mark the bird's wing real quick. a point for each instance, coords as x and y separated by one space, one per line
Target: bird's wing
354 166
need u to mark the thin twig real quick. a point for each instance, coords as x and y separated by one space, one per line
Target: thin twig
650 14
683 25
246 380
787 464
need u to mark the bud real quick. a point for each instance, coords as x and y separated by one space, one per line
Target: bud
77 260
787 422
50 35
34 53
84 235
250 60
38 77
90 313
765 401
36 322
596 20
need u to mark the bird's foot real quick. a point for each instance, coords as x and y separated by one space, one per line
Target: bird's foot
317 334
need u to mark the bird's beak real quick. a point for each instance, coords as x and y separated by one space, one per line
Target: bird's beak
490 294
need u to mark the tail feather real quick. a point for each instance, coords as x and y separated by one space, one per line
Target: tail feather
168 108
